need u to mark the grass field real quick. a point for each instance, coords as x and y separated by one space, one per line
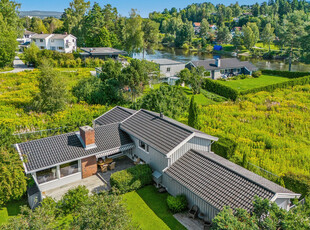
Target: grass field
199 98
250 83
149 209
11 209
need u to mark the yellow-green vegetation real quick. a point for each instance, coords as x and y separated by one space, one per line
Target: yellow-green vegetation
272 46
250 83
272 128
149 209
6 69
200 99
10 210
16 93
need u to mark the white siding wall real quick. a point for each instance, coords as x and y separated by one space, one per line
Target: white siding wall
174 188
283 203
174 70
154 158
194 143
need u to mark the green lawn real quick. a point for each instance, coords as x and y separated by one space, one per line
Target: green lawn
250 83
199 98
11 209
6 69
272 46
149 209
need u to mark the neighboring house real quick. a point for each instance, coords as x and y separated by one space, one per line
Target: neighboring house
220 68
236 19
180 157
213 27
64 43
196 26
101 52
169 70
24 41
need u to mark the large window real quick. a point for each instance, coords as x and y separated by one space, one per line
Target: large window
46 175
69 168
143 146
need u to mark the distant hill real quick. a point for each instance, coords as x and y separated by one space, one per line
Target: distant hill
40 14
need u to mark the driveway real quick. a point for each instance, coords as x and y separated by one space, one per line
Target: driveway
19 66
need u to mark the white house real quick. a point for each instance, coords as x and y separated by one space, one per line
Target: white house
64 43
169 70
26 37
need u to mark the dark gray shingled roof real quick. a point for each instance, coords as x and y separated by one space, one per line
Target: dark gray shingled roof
50 151
155 131
220 182
226 63
102 51
117 114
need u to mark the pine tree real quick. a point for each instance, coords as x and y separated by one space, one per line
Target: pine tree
193 114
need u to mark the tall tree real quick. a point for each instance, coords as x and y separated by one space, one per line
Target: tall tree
133 33
185 34
193 114
204 28
31 53
237 39
38 26
268 35
74 15
223 35
52 96
150 34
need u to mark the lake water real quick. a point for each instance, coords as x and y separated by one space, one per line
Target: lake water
186 56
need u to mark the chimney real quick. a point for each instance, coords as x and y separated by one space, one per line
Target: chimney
65 33
161 115
218 62
87 135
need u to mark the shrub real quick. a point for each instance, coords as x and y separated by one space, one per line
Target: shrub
287 74
177 204
132 178
297 183
224 147
257 74
74 199
220 89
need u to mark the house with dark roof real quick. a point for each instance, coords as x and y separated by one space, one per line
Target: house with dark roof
101 52
180 157
226 67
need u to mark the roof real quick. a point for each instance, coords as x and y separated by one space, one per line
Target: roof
102 51
117 114
27 32
196 24
226 63
53 36
166 62
40 36
162 133
220 182
50 151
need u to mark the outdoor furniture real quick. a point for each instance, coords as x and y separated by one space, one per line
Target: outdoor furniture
193 212
108 161
137 161
206 223
112 166
103 166
162 190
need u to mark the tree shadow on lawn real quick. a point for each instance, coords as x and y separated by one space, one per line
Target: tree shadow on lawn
157 202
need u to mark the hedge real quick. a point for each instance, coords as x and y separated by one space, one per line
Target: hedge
220 89
287 74
297 183
177 204
224 147
286 84
132 178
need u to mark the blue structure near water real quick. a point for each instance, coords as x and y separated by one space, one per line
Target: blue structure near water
217 48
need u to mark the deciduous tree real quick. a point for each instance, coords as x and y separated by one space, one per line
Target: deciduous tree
268 35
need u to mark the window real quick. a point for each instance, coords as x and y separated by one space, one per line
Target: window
41 40
46 175
34 40
60 48
69 168
143 146
53 48
52 40
168 69
42 47
222 71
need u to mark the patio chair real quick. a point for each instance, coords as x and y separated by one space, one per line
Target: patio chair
193 212
206 223
112 166
137 161
104 168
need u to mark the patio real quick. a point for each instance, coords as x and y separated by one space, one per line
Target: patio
189 223
95 183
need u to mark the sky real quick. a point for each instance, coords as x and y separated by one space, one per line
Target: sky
144 7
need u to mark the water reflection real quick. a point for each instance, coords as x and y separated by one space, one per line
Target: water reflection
186 56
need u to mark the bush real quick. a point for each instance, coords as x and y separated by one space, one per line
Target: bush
74 199
218 88
257 74
224 147
287 74
132 178
297 183
177 204
286 84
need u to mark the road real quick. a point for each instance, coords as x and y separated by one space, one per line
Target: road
19 66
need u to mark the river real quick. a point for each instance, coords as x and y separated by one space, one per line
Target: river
186 56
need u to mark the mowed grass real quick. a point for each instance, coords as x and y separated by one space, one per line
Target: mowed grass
149 209
199 98
11 209
250 83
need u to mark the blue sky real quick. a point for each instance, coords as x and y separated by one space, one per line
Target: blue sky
123 6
